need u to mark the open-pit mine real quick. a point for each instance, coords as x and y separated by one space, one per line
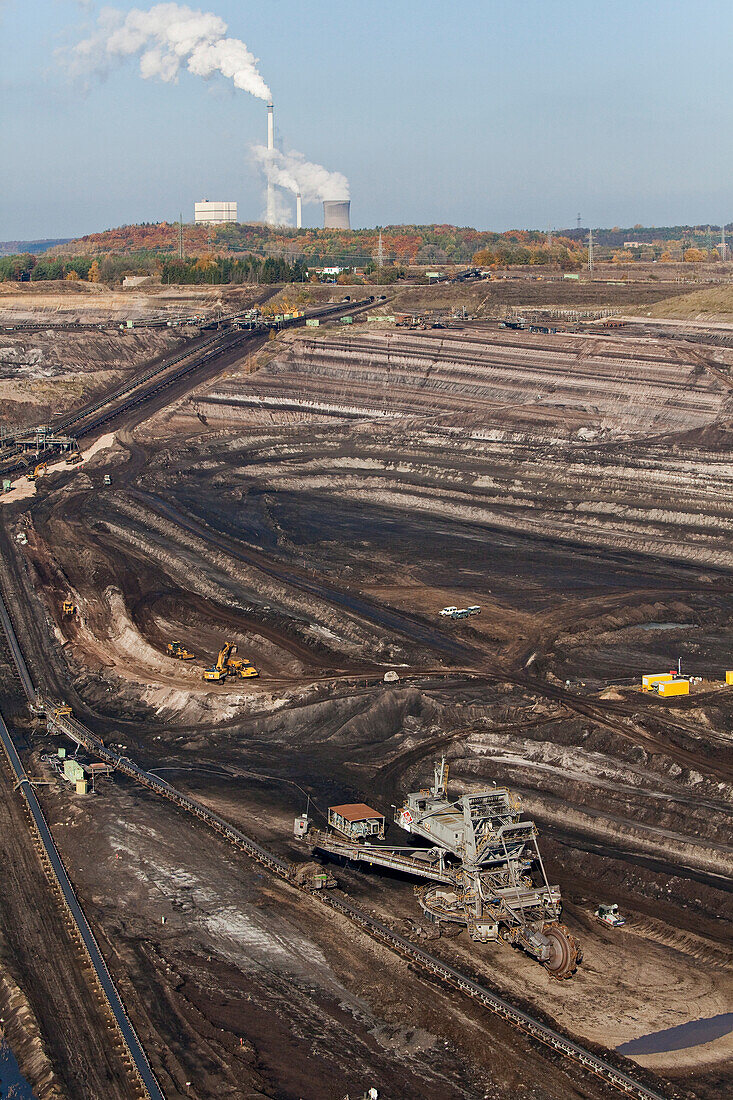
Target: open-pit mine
235 700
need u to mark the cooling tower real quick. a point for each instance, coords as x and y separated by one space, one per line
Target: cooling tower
298 212
336 215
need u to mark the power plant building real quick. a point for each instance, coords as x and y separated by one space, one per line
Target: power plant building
337 215
214 213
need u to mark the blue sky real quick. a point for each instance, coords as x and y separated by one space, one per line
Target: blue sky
492 113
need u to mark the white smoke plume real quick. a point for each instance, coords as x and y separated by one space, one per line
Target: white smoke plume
166 38
293 172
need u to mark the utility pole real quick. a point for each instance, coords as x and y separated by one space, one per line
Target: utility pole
590 251
722 241
180 236
549 239
380 258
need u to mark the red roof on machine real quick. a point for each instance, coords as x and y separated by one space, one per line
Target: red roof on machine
355 811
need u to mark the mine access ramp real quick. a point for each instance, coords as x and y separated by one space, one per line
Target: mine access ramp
482 864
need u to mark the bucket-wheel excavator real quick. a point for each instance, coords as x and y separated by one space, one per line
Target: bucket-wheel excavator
483 867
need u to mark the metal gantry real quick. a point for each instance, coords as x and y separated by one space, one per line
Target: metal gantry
483 865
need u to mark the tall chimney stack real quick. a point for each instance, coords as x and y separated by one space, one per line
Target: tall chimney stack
298 212
270 145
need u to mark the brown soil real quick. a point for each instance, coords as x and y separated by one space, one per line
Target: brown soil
577 488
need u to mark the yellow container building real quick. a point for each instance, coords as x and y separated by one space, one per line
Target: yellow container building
673 687
729 677
650 681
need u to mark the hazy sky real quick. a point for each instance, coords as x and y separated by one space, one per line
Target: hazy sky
492 113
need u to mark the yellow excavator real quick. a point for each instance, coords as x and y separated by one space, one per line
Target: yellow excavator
68 607
221 668
40 469
229 665
179 651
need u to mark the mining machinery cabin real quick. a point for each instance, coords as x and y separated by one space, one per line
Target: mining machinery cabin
179 651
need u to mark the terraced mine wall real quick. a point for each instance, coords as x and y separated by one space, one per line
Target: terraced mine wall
565 385
603 442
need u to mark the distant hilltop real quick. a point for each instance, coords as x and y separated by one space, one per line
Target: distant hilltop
158 243
15 248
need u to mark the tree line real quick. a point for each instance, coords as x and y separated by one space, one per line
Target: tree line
112 269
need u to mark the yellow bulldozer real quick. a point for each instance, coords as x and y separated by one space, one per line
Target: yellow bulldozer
179 651
68 607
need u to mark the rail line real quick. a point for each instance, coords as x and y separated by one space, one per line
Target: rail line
71 727
55 868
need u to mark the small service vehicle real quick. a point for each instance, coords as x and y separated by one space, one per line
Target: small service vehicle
609 914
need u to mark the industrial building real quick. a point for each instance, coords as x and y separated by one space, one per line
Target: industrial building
337 215
651 680
356 819
667 688
214 213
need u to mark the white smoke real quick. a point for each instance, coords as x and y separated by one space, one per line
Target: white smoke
293 172
166 38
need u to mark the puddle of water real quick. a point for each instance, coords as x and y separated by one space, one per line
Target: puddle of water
691 1034
666 626
12 1082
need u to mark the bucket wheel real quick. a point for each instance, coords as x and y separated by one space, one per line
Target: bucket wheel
565 954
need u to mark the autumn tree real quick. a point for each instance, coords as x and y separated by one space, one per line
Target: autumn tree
666 258
93 276
694 256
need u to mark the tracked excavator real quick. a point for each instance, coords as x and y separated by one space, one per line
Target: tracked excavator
68 607
483 869
40 469
220 670
229 665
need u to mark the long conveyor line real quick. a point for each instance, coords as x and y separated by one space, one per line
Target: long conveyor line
535 1029
148 1084
162 375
